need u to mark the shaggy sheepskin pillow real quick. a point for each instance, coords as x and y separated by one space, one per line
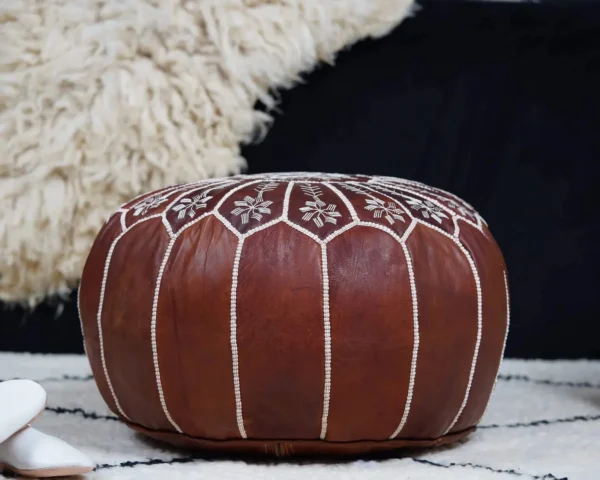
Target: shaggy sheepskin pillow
101 101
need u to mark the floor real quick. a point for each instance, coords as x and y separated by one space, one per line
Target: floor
543 422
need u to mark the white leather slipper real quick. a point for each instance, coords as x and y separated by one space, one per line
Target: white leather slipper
34 454
21 401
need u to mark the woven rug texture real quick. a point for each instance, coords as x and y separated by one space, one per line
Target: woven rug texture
543 423
101 101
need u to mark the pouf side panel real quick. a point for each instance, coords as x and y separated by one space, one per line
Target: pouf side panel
89 299
280 335
371 335
491 267
447 300
126 319
192 330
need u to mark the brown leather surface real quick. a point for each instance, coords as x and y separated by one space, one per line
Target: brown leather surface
196 375
447 330
280 335
490 267
372 335
279 314
126 322
297 448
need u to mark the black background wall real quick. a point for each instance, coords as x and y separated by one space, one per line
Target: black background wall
495 102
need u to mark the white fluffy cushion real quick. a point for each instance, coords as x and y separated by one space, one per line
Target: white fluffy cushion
100 101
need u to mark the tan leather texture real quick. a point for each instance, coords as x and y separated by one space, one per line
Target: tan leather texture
305 313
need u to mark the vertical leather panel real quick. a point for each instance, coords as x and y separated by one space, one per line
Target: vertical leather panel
372 335
126 319
490 266
89 298
193 331
448 331
280 335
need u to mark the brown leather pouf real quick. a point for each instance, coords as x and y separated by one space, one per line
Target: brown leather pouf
296 314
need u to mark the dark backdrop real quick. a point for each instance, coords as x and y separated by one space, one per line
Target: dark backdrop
495 102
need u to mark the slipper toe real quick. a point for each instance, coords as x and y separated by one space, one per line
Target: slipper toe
35 454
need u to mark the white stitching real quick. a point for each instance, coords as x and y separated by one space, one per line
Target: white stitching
479 332
504 343
416 340
327 334
169 207
435 202
233 340
101 304
337 233
153 333
99 321
122 219
415 308
344 199
154 317
479 313
232 191
507 316
376 189
80 317
286 201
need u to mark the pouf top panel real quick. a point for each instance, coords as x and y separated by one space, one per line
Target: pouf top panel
321 205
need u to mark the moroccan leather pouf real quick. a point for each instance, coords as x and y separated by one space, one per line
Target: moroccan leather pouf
296 314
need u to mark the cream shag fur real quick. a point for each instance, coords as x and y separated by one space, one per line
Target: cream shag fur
102 100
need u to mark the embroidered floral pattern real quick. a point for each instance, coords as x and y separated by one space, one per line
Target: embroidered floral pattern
317 210
254 208
390 211
189 206
460 208
427 208
149 203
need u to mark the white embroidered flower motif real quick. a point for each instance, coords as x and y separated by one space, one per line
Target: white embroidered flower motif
427 208
189 206
389 211
149 203
254 207
317 210
320 212
460 208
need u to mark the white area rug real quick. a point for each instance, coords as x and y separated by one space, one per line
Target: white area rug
543 423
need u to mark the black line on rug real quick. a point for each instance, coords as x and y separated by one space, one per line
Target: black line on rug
554 383
547 476
82 413
543 422
152 461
